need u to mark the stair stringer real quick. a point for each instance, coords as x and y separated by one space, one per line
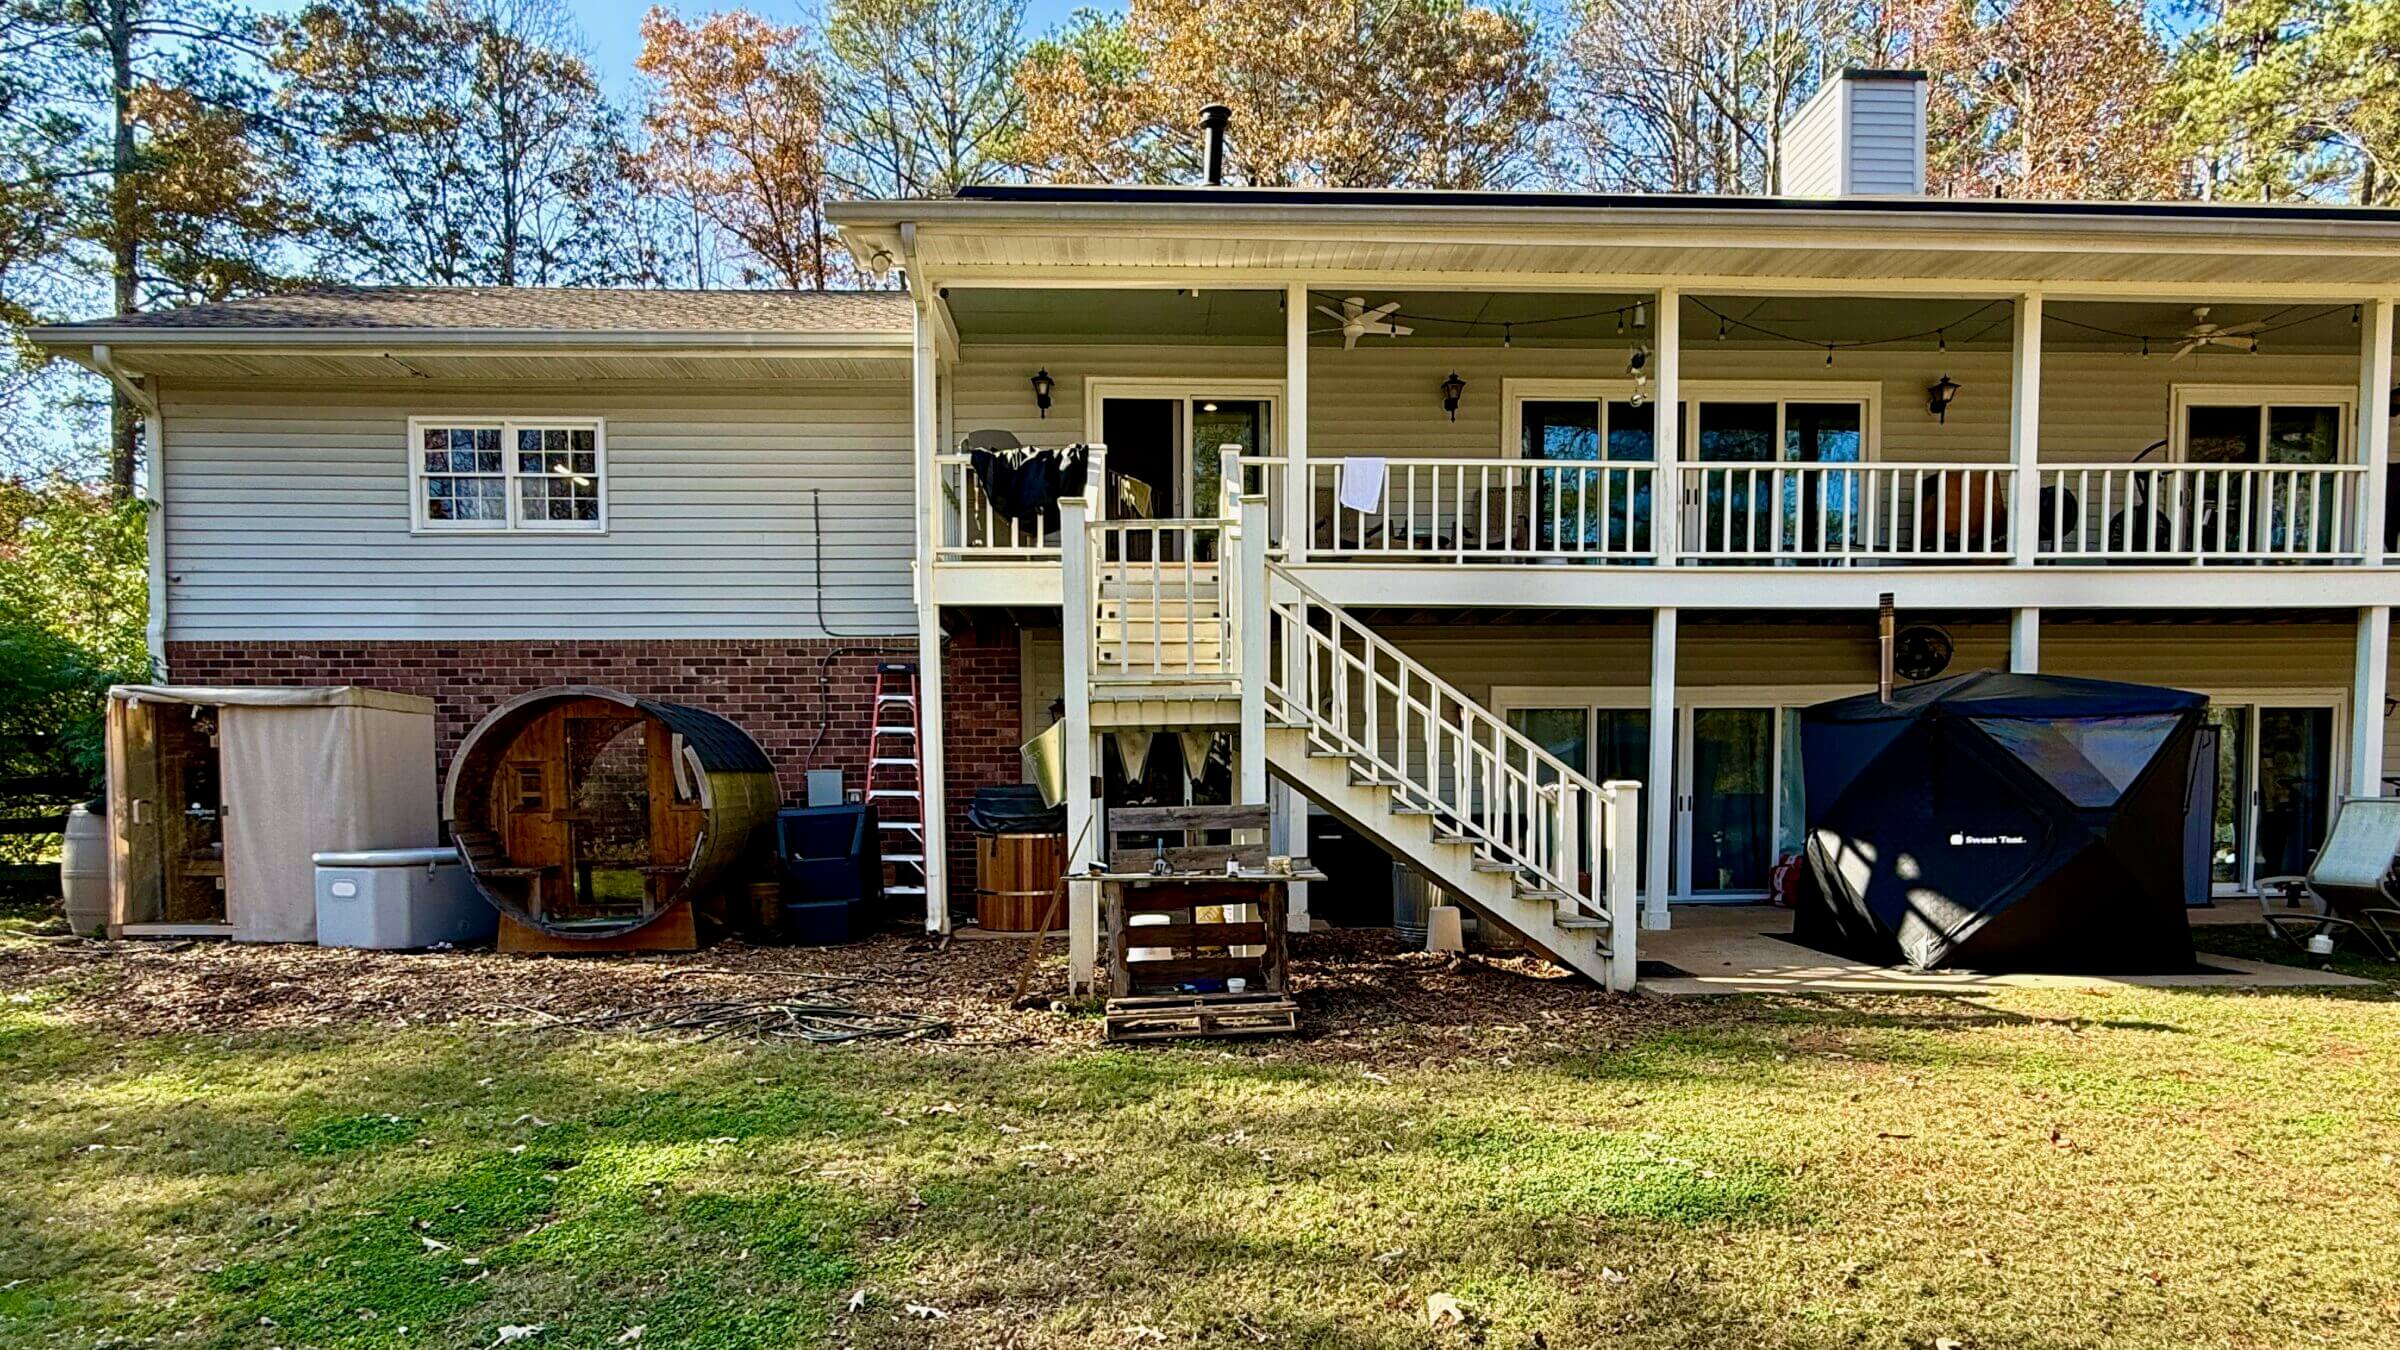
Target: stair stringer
1330 782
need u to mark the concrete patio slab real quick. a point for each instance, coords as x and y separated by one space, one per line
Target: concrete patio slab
1743 949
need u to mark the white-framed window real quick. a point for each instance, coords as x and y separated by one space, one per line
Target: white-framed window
1783 422
484 473
1723 421
2262 424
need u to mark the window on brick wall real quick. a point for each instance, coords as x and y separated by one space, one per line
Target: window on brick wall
470 474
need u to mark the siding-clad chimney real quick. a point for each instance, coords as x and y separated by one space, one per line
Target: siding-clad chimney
1863 135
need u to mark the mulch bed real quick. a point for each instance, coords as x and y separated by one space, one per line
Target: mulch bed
1363 996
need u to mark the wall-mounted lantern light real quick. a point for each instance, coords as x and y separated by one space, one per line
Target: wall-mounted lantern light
1938 396
1042 385
1452 389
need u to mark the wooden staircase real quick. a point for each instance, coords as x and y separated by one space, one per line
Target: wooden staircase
1190 621
1449 788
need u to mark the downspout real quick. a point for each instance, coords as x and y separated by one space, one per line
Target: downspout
154 491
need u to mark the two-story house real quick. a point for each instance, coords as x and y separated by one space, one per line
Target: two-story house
1458 505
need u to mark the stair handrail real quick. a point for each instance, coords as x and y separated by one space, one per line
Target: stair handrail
1553 850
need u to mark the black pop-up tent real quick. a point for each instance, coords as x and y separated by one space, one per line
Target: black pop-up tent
2002 822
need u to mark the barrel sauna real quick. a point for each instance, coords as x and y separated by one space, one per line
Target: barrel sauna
589 815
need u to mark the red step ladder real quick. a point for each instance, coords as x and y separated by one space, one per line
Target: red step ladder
896 776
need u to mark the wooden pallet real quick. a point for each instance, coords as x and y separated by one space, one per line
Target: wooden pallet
1161 1017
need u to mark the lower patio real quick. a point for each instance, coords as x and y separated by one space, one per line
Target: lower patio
1749 949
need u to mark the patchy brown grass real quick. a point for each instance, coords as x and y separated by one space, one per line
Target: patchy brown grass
248 1146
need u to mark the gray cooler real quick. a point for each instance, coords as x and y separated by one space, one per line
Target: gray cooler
399 897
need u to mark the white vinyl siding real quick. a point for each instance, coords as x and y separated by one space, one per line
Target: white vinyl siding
1887 137
289 517
1386 399
1812 150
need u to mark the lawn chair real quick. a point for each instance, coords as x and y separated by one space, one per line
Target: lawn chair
2348 888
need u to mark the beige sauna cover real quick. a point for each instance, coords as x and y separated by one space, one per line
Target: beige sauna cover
307 771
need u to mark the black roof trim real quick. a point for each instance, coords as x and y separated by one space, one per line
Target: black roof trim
1190 195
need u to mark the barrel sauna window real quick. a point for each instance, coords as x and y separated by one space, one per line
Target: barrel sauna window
586 812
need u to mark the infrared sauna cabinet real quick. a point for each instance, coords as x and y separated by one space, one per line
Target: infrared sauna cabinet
219 798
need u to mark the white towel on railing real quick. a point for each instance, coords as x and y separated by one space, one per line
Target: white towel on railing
1362 482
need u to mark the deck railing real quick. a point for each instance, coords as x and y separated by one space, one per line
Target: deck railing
1448 755
1483 510
2201 513
1163 601
1883 513
1836 513
970 527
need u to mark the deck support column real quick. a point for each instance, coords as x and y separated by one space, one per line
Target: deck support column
2025 429
1658 795
933 782
2374 436
1299 503
2370 683
2025 641
1082 751
1666 440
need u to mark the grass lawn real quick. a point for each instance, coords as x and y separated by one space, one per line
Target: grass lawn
2031 1169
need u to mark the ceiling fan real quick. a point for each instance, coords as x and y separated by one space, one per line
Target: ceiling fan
2235 336
1358 321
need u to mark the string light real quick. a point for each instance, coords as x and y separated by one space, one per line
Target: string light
1508 336
1723 327
1941 340
1829 353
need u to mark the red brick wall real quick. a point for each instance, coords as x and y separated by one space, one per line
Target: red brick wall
770 689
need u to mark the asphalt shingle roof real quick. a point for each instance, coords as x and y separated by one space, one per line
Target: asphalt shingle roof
534 309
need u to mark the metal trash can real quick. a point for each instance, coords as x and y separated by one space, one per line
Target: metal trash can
1412 897
393 898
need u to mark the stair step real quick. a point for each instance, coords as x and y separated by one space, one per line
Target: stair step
1494 865
1406 809
1577 923
1550 893
1441 838
1319 752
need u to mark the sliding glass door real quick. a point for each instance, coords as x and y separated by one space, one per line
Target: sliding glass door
1729 794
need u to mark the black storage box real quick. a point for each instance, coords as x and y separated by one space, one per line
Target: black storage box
819 923
830 861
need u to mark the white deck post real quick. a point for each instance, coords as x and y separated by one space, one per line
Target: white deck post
2374 425
934 804
1621 818
1666 440
1083 824
2370 683
2025 428
1299 506
1250 638
1659 822
2025 641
